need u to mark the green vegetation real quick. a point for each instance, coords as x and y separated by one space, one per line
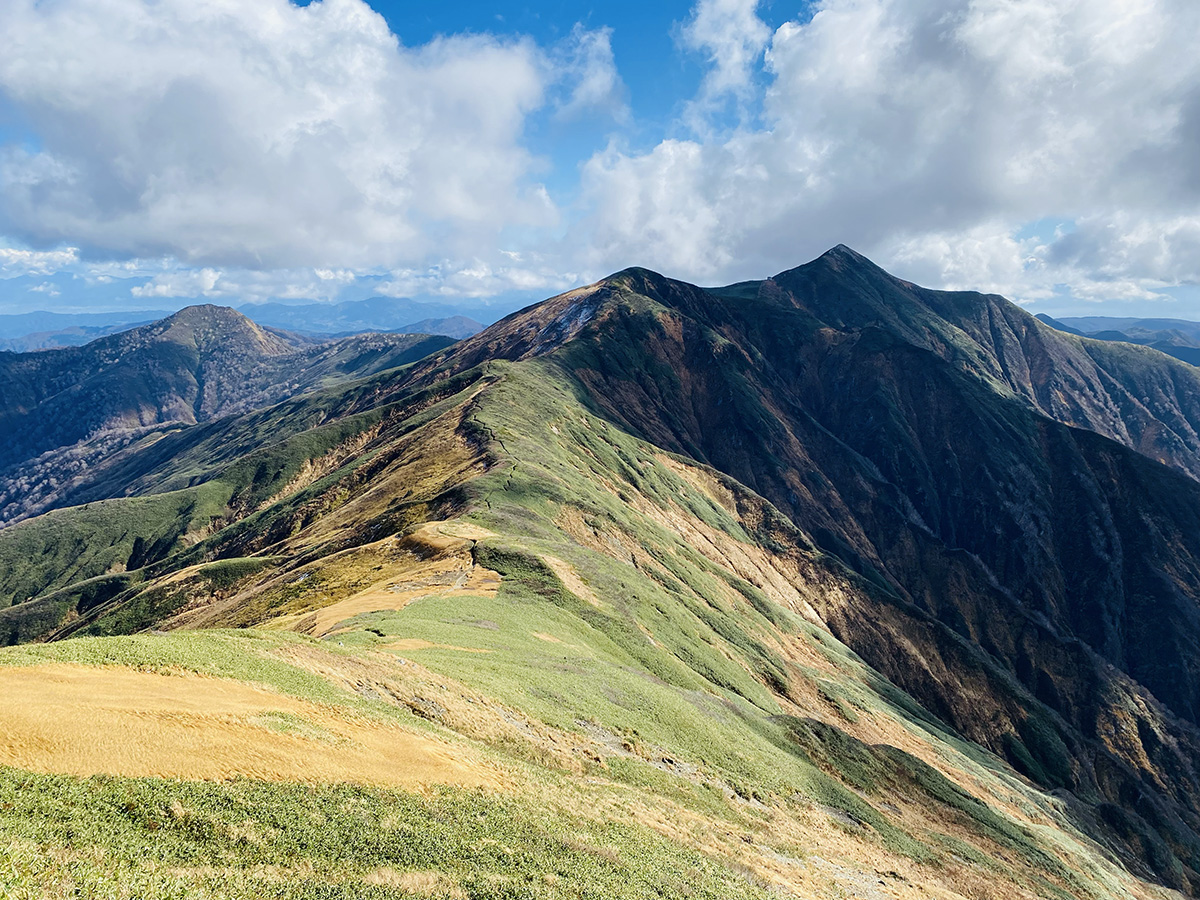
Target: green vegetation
72 545
150 838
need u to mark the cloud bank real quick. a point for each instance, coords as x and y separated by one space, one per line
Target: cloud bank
1033 147
263 134
932 134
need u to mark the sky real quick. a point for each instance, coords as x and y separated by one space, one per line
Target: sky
159 153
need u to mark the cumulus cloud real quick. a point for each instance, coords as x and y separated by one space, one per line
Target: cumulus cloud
15 263
240 151
193 283
586 62
264 134
731 36
888 123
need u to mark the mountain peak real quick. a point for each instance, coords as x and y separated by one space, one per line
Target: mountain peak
209 327
843 257
209 315
843 250
840 260
207 312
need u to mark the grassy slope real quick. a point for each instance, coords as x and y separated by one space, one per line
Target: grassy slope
750 745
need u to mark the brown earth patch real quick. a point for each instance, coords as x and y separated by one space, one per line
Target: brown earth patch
84 720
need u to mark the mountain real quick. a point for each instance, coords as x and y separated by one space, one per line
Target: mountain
457 327
1175 337
1093 324
72 409
1058 326
19 325
826 584
26 332
357 316
71 336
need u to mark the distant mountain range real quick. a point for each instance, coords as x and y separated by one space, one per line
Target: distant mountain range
45 330
1179 338
357 316
26 332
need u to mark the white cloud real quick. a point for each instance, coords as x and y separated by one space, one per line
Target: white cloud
186 283
893 124
478 279
235 285
242 151
264 134
986 258
14 263
586 61
732 37
1111 246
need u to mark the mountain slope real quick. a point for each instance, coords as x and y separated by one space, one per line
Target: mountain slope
630 634
905 437
66 412
667 553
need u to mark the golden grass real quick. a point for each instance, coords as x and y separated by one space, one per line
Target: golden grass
423 884
84 720
420 644
571 580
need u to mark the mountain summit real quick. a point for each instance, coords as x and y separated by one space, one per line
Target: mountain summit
824 548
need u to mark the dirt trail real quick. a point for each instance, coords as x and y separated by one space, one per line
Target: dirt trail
84 720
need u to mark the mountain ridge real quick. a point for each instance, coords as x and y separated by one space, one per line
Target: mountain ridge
714 482
1175 337
822 509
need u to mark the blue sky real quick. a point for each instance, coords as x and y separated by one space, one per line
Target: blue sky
156 154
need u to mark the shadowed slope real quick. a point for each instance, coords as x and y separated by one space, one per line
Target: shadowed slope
907 432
